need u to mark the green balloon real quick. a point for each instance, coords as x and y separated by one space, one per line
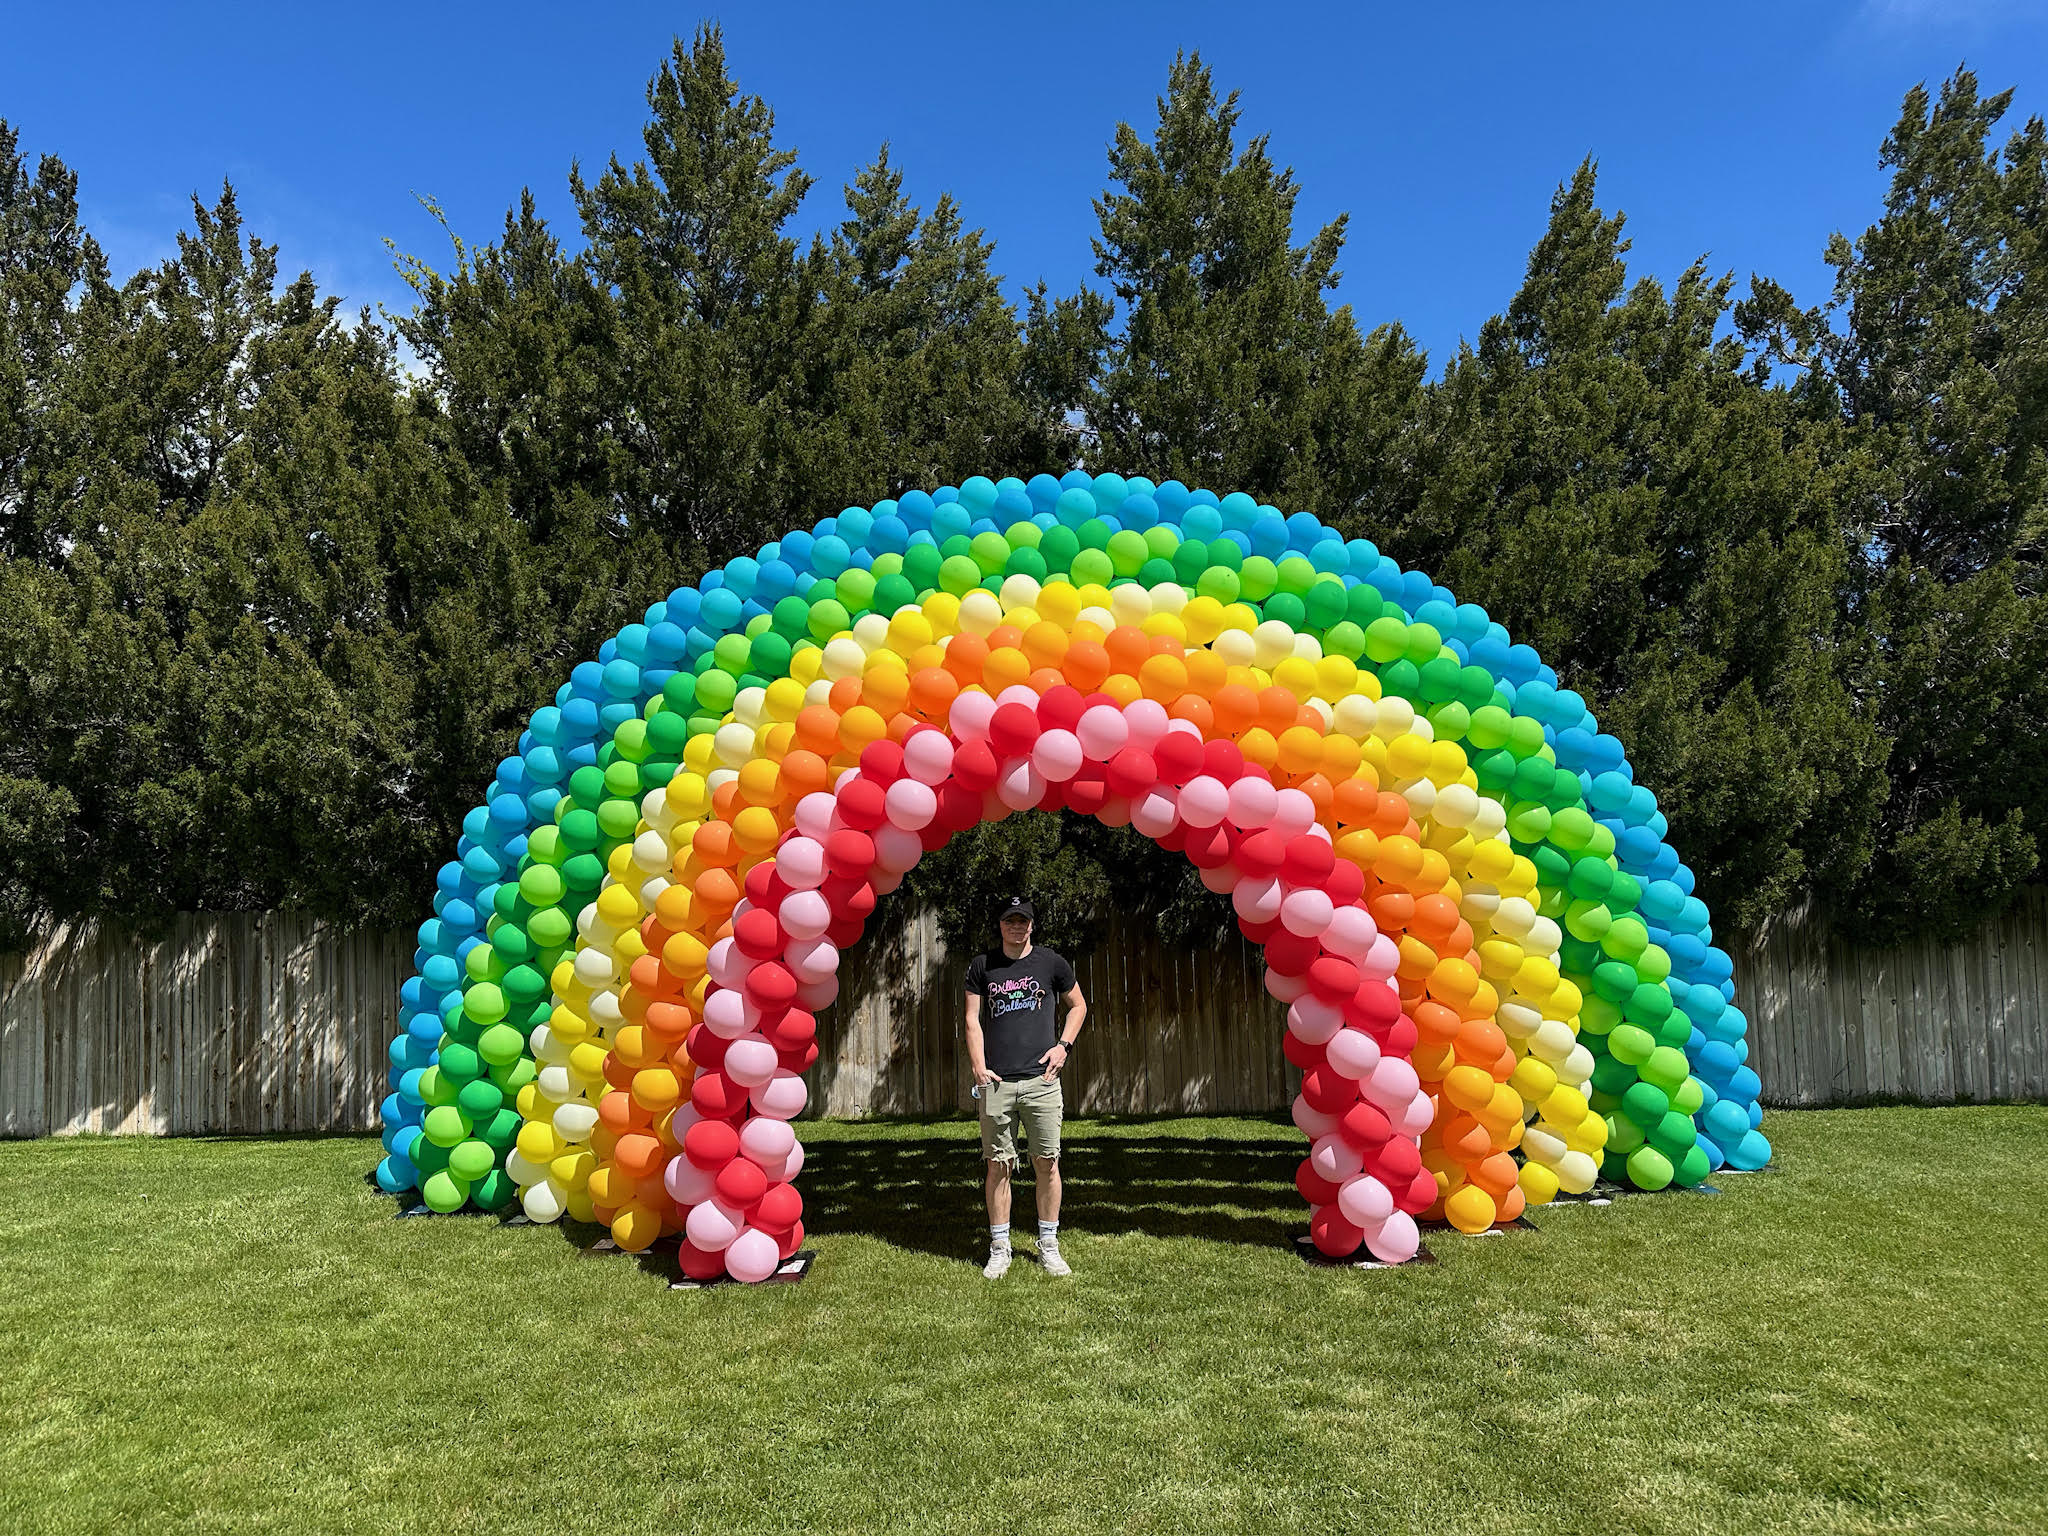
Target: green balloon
501 1044
484 1001
444 1192
460 1065
470 1160
501 1130
1258 578
1094 565
586 787
1666 1069
1646 1104
1025 560
445 1125
1345 639
1648 1168
1219 584
480 1099
1491 725
580 834
1385 640
494 1191
1630 1045
990 552
1295 574
540 883
1287 609
631 739
1094 534
1127 552
1059 545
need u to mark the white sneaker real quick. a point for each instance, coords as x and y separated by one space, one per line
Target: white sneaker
1049 1256
998 1264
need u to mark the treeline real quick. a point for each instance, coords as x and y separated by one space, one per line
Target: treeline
279 585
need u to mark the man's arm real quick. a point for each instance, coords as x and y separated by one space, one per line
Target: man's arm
975 1058
1077 1015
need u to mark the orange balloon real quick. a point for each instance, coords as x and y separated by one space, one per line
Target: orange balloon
1436 1024
1045 643
1301 749
1043 679
817 729
712 842
722 799
639 1155
965 656
804 773
1087 664
717 891
885 690
1163 677
844 693
1005 637
1431 1062
1278 708
1128 647
1007 666
1206 672
932 691
1236 707
1122 688
1196 710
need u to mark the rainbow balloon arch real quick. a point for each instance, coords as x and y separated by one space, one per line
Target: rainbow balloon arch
1499 985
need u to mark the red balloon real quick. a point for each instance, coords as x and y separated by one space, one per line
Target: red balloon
781 1208
974 766
1393 1162
705 1048
1325 1089
1262 853
714 1095
1373 1006
1400 1037
849 853
757 935
1178 756
1364 1126
1086 791
1346 883
1315 1189
1208 847
765 887
1130 772
1061 708
959 809
1222 760
770 985
792 1240
1333 978
1176 838
1012 729
797 1058
697 1264
794 1028
863 804
741 1182
850 898
1288 953
711 1144
1334 1236
1420 1195
1306 860
882 761
1302 1053
845 931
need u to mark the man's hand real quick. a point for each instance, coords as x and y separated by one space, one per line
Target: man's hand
1052 1067
983 1077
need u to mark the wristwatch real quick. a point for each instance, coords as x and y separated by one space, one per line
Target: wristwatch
1065 1045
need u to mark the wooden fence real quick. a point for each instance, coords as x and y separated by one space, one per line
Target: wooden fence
245 1023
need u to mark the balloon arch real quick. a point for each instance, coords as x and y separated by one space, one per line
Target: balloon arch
1498 983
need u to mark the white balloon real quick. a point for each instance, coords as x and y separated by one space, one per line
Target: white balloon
544 1202
575 1122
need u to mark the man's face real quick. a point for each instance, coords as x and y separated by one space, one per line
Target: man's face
1016 928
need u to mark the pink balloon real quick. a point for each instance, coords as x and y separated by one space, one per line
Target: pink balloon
752 1257
782 1097
1395 1240
801 863
728 967
1352 1052
896 850
1115 812
767 1142
1391 1084
686 1183
1335 1158
713 1225
1312 1019
1257 897
1350 933
1305 912
910 804
813 995
1057 755
1203 800
1019 693
1312 1122
1252 802
750 1061
885 880
969 716
1102 730
725 1014
817 815
1365 1202
1146 720
1020 786
1154 814
928 756
1286 988
791 1165
1293 812
1417 1117
1380 962
1222 879
804 915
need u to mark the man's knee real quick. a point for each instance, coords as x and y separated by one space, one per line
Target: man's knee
998 1170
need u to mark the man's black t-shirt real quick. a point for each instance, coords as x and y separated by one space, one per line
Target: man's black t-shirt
1019 1008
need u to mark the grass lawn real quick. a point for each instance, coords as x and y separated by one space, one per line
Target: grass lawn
235 1335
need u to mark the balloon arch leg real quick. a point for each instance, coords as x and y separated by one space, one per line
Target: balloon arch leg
1499 984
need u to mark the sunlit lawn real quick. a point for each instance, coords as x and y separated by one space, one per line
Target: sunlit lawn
238 1336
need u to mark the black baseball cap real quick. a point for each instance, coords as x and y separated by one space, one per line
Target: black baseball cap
1016 906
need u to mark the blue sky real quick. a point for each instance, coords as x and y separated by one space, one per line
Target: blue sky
1743 132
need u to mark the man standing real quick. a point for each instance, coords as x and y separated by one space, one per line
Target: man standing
1017 1046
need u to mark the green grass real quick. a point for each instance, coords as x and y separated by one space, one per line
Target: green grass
232 1336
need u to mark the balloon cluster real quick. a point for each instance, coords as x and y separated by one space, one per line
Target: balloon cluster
1499 984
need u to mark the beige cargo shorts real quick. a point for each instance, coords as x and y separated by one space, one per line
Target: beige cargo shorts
1039 1105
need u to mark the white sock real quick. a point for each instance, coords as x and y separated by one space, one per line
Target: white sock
1048 1234
999 1236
